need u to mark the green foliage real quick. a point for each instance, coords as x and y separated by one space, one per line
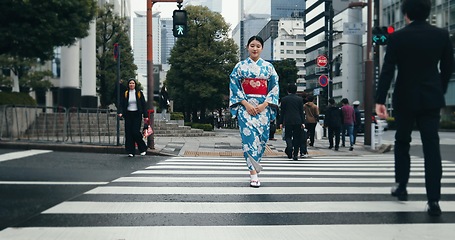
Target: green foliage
287 72
201 62
111 29
7 98
27 70
203 126
31 29
176 116
447 125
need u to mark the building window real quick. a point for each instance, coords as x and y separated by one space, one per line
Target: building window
299 51
289 51
282 43
290 44
282 51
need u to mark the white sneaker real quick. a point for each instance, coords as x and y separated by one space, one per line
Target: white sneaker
130 155
143 153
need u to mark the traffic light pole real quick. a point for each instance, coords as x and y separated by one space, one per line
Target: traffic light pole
368 96
150 82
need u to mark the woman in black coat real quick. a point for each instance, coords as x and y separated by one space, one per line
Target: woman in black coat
133 109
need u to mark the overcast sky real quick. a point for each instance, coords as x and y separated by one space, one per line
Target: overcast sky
229 9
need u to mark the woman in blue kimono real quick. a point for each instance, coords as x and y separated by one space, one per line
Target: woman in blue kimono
253 100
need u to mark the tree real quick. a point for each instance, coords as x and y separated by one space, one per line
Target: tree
111 29
31 29
26 70
287 72
201 62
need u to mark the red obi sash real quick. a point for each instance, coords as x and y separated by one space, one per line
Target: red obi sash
255 86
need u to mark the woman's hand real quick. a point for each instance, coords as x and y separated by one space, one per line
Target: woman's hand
261 107
249 108
120 115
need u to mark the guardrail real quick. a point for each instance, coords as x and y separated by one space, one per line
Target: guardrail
57 124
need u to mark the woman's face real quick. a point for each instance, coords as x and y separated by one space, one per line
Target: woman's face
131 85
255 49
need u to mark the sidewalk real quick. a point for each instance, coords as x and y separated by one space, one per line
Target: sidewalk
225 143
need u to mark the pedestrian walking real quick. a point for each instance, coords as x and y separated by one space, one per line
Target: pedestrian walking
358 119
311 118
423 55
253 99
292 119
164 102
133 110
333 121
348 123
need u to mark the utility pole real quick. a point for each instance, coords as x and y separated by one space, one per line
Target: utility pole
368 97
150 82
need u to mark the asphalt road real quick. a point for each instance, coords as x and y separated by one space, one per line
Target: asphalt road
55 177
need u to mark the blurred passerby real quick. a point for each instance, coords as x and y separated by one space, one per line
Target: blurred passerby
311 118
358 119
423 55
333 121
292 119
348 123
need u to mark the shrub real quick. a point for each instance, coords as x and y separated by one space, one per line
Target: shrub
203 126
447 125
15 98
177 116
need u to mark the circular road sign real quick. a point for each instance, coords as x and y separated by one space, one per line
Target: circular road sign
321 61
323 80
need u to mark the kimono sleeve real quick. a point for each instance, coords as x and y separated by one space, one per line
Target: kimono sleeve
273 91
236 94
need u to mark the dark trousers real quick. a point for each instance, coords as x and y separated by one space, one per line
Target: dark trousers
428 125
303 142
355 131
311 131
334 132
133 134
292 136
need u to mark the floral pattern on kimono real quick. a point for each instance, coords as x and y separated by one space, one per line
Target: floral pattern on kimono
254 130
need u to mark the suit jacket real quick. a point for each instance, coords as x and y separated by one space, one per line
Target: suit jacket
416 50
292 110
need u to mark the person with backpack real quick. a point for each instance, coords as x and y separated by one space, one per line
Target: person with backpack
133 110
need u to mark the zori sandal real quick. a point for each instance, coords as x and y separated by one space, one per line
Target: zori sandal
255 183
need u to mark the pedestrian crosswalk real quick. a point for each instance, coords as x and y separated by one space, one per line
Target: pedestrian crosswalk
336 197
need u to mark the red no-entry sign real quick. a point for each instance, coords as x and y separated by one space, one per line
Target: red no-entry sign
321 61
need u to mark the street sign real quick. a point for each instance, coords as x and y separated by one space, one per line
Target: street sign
321 61
323 80
356 28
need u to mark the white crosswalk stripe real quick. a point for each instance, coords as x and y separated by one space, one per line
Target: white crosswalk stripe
210 198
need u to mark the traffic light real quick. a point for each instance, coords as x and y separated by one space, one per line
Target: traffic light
179 25
381 34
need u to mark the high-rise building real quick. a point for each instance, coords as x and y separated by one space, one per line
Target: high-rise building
290 44
140 40
260 18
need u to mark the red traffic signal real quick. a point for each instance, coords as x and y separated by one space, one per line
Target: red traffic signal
390 29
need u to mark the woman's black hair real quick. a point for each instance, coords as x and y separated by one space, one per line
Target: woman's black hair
416 9
257 38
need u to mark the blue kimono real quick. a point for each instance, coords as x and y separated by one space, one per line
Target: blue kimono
254 130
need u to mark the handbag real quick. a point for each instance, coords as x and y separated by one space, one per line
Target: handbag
147 130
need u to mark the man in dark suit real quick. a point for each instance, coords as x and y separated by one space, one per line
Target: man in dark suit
423 55
292 120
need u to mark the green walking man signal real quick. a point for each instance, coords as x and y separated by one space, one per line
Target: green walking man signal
179 23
